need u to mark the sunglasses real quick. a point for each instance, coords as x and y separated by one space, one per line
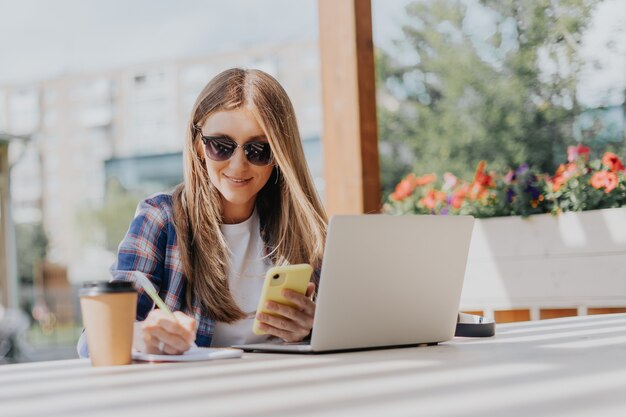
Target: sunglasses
222 148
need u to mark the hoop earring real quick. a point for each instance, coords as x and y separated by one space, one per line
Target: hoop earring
277 175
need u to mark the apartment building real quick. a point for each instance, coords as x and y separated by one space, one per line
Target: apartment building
78 122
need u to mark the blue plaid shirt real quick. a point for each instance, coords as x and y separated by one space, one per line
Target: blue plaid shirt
150 246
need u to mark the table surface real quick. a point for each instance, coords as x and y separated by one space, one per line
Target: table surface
562 367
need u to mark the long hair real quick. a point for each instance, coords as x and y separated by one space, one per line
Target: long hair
292 217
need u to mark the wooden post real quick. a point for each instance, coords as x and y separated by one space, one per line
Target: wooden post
349 140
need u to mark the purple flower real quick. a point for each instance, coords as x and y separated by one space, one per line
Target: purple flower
521 170
533 191
509 195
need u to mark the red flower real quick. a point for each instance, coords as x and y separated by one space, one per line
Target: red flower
612 162
459 196
432 198
535 203
482 182
404 188
481 178
409 183
575 152
425 179
605 179
563 173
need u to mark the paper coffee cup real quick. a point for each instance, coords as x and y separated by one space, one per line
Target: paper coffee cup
109 310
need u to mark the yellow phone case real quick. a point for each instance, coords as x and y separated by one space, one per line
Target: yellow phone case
278 278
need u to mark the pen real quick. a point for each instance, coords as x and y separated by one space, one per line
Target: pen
145 283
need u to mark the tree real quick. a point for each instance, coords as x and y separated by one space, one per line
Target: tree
108 224
32 246
508 99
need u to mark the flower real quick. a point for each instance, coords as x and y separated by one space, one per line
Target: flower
604 179
482 182
404 188
482 179
432 198
409 183
579 184
449 181
575 152
612 162
425 179
563 173
458 196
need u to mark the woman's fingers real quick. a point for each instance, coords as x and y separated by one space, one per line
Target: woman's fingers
279 322
310 290
173 340
158 341
164 334
156 346
290 323
286 335
303 302
188 323
293 314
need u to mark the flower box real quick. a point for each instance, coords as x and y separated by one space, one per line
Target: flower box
576 260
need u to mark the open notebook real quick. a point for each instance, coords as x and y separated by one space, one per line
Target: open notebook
193 354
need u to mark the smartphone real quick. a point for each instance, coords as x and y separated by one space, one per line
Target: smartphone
278 278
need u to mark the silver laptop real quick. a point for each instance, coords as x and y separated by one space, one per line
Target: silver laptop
386 281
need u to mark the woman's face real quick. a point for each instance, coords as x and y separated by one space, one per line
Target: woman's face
237 180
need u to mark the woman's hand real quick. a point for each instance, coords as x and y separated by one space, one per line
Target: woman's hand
292 324
163 335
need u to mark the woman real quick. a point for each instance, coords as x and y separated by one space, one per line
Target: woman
247 203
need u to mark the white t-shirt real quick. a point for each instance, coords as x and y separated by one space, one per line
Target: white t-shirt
248 266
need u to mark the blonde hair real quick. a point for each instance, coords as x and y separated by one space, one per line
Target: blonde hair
292 217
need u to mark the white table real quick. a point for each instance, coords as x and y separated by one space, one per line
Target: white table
563 367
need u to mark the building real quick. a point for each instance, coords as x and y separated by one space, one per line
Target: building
79 122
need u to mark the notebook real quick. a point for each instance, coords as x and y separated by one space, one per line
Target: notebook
387 281
192 355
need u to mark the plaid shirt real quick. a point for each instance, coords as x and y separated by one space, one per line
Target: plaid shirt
150 246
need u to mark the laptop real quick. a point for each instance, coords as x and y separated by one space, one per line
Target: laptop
386 281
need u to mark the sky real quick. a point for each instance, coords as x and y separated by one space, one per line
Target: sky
42 39
603 80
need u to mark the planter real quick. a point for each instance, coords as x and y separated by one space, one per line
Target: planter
574 261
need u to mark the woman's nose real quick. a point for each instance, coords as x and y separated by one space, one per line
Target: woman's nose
239 157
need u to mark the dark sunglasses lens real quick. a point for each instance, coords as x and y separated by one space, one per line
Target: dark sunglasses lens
219 149
258 153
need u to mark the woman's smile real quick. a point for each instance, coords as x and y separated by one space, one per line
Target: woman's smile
237 180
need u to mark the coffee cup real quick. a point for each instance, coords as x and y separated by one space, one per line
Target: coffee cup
108 310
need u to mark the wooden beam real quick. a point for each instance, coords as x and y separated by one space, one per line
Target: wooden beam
349 139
